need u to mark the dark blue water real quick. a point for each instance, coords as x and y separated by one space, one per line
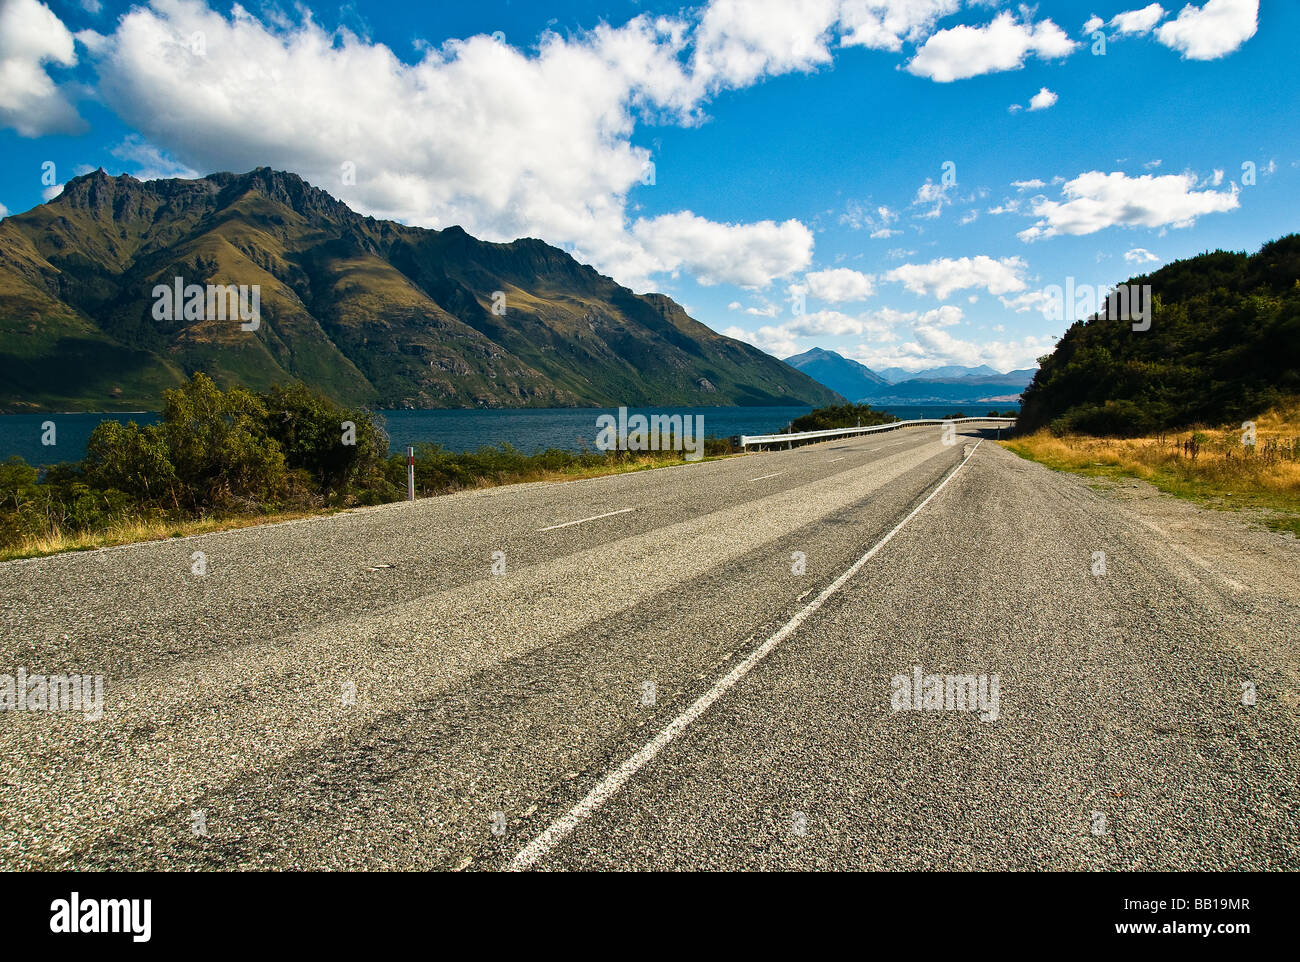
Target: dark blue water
527 429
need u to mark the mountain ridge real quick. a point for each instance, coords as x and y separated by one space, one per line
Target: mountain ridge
369 311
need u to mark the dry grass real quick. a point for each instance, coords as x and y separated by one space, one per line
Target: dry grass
133 530
1208 465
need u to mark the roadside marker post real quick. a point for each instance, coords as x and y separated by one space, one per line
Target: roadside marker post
410 472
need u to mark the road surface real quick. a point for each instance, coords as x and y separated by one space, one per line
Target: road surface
689 668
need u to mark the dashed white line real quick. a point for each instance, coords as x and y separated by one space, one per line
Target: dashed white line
765 477
608 786
594 517
833 460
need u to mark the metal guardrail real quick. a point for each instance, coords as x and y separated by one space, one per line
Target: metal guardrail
748 439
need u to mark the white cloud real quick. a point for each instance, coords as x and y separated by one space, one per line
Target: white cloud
857 217
1211 31
1096 201
503 142
945 316
1138 21
751 255
1003 44
769 339
839 284
932 346
1039 301
738 41
152 163
1023 185
32 36
943 276
1140 255
931 193
1093 24
4 211
1042 100
884 24
51 192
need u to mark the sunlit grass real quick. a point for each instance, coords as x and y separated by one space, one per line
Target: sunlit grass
1210 466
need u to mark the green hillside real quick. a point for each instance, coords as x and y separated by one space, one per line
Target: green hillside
1223 346
369 312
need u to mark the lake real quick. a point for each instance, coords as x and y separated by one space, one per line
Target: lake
527 428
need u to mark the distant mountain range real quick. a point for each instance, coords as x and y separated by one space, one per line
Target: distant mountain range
368 311
841 374
938 385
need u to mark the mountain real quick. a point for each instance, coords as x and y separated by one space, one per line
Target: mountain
1223 346
895 374
368 311
841 374
940 385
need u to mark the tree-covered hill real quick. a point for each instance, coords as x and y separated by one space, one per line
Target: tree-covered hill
1223 345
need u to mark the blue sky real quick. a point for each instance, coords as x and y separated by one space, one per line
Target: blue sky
898 180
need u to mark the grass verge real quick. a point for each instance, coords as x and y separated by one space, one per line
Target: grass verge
1208 466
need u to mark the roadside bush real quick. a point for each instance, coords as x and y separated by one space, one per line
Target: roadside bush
310 430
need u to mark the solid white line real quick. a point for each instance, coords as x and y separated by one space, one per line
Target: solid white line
833 460
607 787
594 517
766 476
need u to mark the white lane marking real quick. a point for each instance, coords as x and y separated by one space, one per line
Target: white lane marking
594 517
766 476
833 460
608 786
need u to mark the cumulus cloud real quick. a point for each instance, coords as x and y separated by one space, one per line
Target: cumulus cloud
1211 31
738 41
1042 100
943 276
885 24
1138 21
32 37
932 346
750 255
1095 201
1004 44
4 211
502 141
1039 301
838 285
1140 255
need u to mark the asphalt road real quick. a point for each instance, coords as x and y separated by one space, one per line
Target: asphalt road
702 672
